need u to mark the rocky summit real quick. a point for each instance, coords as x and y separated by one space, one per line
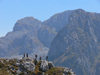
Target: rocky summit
70 38
30 66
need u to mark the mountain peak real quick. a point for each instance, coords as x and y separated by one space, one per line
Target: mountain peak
80 10
26 23
27 20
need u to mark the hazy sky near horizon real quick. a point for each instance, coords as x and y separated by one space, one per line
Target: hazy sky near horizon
13 10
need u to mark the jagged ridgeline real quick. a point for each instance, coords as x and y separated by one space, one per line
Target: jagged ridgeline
70 38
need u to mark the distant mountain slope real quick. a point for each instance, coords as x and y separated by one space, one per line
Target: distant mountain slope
24 38
31 35
77 44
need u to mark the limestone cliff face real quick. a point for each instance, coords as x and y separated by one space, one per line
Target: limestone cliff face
24 39
58 21
77 44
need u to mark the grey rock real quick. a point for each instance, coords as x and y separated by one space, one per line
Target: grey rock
77 44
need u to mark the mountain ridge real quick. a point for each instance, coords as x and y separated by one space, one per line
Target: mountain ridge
72 37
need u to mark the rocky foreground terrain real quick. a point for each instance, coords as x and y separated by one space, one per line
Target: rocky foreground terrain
29 66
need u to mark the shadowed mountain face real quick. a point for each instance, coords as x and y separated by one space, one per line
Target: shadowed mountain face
72 37
77 44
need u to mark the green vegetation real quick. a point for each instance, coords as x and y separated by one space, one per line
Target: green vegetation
55 71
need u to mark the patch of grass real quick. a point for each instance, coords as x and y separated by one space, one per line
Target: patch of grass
55 71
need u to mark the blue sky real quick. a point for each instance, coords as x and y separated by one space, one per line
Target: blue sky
13 10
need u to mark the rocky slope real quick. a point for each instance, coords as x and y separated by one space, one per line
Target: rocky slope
25 38
77 44
58 21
